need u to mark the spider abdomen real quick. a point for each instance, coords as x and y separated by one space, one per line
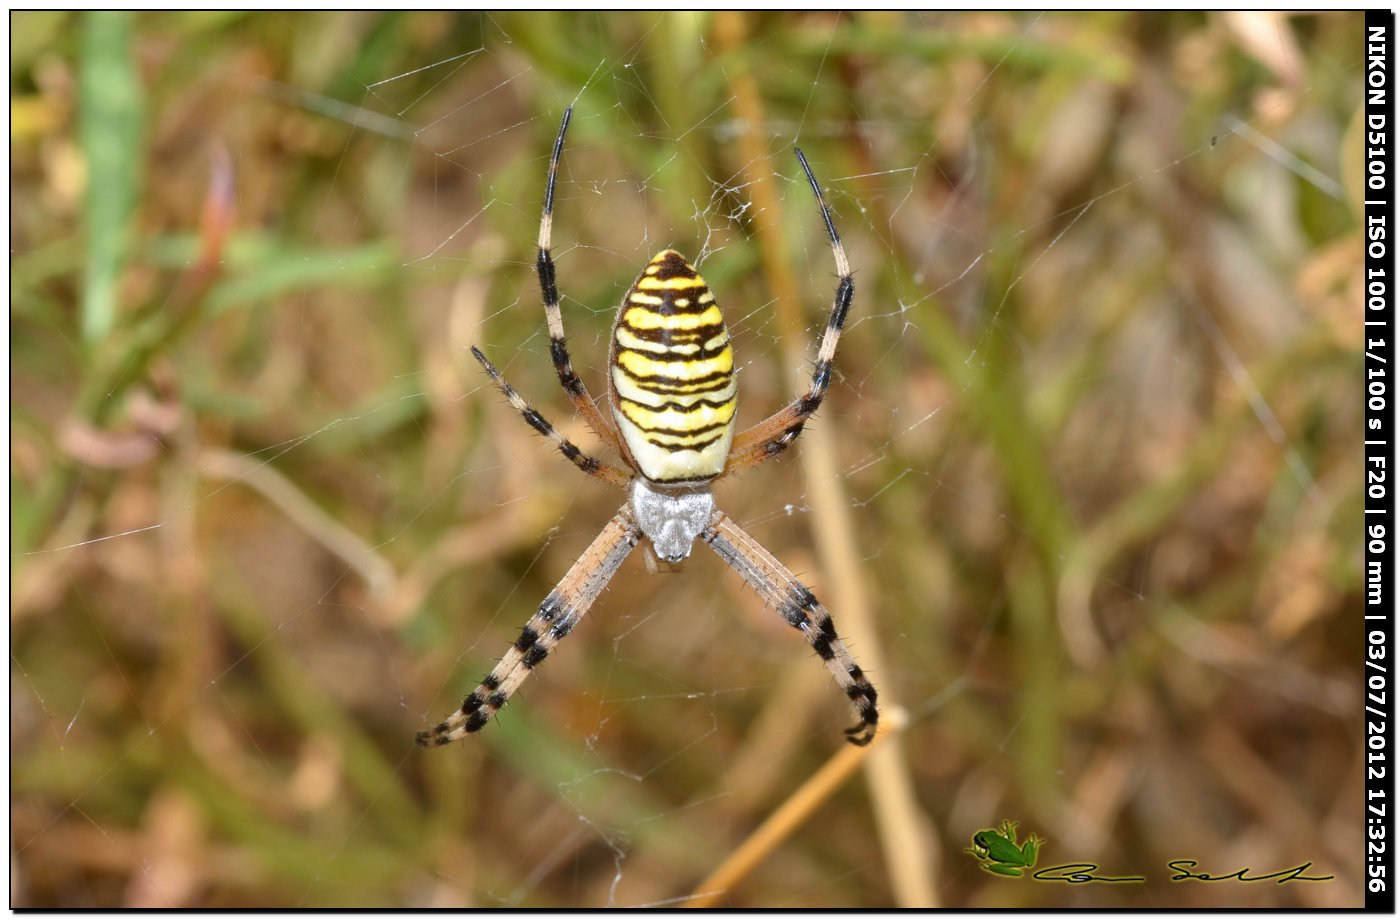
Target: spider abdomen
673 389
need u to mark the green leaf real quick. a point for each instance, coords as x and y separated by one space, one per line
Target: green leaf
276 268
110 126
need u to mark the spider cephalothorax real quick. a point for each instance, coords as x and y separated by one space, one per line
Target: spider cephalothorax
673 398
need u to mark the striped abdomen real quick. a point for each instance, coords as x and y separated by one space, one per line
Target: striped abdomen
673 391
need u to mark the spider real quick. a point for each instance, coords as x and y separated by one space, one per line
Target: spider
673 397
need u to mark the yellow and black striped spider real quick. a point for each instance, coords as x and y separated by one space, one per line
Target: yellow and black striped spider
673 396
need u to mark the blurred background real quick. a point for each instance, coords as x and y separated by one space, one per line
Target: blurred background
1084 494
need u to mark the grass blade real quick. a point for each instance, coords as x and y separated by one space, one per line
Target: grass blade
110 120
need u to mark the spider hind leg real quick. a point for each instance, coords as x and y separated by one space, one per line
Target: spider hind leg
800 607
556 617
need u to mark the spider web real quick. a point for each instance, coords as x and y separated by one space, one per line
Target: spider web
1102 523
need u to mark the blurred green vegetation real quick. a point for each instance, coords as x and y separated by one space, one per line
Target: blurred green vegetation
1096 413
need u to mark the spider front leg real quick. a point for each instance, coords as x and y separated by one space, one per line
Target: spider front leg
776 433
549 292
796 603
591 465
557 616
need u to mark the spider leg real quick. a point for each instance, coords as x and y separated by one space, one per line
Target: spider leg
777 432
591 465
549 292
795 603
556 617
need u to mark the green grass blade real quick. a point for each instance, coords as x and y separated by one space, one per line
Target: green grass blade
110 124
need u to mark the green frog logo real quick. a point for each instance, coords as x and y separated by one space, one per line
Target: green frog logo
999 853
